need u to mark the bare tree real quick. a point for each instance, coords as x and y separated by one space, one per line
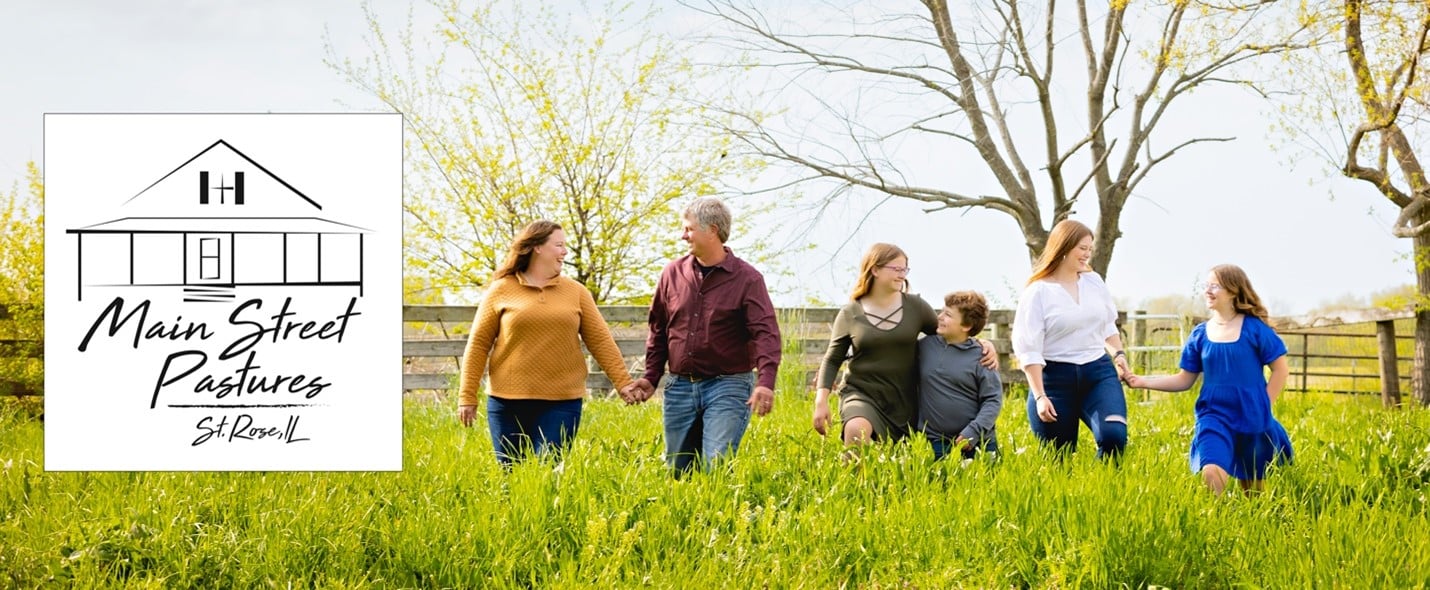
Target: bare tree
980 73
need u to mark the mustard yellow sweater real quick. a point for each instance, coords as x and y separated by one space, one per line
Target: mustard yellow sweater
531 338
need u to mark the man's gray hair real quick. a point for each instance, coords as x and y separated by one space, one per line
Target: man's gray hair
712 213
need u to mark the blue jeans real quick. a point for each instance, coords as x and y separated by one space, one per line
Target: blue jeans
942 447
1089 393
519 426
705 419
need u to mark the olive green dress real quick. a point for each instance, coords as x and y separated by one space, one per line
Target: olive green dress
883 365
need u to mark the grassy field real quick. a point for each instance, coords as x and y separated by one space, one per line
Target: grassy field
787 513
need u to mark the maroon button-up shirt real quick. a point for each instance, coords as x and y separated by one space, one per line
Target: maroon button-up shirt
721 324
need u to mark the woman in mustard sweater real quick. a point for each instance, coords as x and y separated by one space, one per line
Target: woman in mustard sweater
528 330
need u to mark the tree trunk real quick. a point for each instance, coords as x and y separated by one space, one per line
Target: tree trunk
1034 237
1106 233
1103 243
1420 372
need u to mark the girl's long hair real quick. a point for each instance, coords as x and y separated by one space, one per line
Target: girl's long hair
1064 237
877 256
1235 283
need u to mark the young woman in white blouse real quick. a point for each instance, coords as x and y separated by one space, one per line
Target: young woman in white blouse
1065 337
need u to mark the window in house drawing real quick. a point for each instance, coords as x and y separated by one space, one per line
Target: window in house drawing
223 189
208 259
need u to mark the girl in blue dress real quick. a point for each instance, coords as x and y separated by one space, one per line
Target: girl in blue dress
1236 435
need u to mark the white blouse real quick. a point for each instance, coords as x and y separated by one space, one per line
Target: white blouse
1051 326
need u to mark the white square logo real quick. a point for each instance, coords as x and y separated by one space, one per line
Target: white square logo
223 292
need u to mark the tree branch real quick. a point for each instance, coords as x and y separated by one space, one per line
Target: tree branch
1153 161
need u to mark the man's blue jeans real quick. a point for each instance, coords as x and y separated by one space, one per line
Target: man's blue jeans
705 418
1088 393
520 426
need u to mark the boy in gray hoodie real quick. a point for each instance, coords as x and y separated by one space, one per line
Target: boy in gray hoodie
959 399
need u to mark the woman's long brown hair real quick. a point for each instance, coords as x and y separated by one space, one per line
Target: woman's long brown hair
1064 237
877 256
1244 299
518 256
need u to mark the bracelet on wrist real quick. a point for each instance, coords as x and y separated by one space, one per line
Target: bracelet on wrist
1118 353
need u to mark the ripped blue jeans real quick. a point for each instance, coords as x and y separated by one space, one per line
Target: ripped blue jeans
1088 393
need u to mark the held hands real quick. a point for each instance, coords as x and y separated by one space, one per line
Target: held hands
628 393
637 391
1120 361
761 401
1124 372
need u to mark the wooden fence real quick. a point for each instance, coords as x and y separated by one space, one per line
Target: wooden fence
1355 357
1364 352
435 338
14 352
1365 357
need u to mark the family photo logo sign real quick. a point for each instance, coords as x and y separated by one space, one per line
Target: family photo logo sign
223 292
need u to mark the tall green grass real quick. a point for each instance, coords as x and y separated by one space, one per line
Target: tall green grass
1351 512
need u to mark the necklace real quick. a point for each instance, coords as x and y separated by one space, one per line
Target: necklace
1224 322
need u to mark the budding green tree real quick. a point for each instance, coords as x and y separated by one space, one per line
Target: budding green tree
1363 109
22 284
515 113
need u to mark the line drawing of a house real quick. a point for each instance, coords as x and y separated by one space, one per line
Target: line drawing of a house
217 222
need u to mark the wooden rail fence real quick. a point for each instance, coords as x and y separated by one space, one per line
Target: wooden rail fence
434 339
1352 358
13 349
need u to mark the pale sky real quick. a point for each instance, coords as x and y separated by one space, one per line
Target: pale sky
1240 202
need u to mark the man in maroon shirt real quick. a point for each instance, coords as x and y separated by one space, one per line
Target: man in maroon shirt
712 323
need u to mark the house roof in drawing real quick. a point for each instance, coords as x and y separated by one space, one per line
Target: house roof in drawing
221 225
224 145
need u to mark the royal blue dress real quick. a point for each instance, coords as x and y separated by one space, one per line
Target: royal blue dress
1235 429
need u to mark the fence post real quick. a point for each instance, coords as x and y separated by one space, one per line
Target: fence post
1389 369
1003 331
1139 338
1305 351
